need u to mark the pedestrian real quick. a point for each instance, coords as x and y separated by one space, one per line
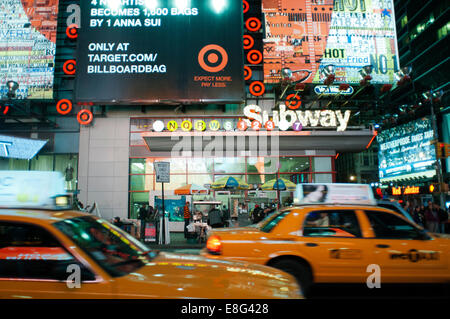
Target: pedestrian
117 222
431 218
258 214
225 216
150 214
418 217
187 218
142 216
215 218
442 216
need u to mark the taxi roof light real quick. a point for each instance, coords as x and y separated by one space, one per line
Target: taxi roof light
214 245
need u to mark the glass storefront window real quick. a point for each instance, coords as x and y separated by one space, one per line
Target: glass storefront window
260 179
18 164
67 164
322 178
229 165
200 179
219 176
137 166
294 164
262 165
137 182
297 178
42 163
176 181
321 164
137 199
200 165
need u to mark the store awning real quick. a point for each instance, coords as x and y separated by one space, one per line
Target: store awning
347 141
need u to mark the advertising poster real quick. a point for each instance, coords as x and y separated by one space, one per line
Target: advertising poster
150 232
165 52
334 194
30 188
405 151
307 35
27 47
173 205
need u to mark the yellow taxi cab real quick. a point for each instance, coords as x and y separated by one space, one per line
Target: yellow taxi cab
320 242
57 253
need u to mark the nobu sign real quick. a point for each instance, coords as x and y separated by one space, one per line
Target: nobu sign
133 52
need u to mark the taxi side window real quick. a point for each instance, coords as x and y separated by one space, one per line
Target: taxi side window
30 252
333 223
389 226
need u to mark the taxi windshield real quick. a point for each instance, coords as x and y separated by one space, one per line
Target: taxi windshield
114 250
268 223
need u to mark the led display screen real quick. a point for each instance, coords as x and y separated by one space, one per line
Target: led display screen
406 151
307 36
166 51
27 47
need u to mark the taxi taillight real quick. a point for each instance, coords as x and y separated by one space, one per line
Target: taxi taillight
214 245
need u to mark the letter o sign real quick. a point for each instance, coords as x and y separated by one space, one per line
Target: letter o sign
186 125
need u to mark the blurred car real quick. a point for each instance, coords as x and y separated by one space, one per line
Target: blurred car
40 251
396 207
49 251
336 244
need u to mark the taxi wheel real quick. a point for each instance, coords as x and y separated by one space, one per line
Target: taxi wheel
299 270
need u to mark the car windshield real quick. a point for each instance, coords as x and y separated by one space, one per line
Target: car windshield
114 250
268 223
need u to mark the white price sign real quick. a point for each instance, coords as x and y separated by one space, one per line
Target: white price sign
162 170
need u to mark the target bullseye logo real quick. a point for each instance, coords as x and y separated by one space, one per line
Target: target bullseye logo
213 58
247 73
72 31
64 106
85 117
254 57
248 42
245 5
257 88
69 67
293 101
253 24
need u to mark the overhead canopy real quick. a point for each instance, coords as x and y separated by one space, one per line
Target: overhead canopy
347 141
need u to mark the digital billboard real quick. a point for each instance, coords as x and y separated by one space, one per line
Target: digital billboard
166 51
306 36
27 47
406 151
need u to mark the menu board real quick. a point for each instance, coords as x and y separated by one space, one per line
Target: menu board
27 47
308 35
151 52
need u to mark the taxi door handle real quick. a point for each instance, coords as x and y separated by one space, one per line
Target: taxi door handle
383 246
311 244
